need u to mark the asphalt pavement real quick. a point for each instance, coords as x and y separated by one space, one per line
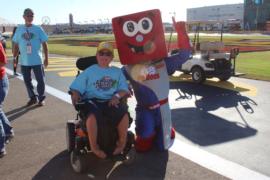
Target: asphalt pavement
38 150
222 131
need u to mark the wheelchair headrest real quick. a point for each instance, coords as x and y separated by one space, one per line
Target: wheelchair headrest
85 62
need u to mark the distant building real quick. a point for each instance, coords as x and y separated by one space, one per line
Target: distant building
212 17
256 14
6 25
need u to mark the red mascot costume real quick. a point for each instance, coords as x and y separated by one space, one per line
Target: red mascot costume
142 49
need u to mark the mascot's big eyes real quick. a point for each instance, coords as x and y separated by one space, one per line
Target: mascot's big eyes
130 28
145 25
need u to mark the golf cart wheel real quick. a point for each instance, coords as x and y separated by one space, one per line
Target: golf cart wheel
224 77
70 136
78 162
130 157
198 75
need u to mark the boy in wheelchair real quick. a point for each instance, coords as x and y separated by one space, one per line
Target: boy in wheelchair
103 86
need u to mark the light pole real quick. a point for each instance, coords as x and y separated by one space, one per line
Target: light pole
257 12
169 45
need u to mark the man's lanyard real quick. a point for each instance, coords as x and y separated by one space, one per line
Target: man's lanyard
28 35
28 45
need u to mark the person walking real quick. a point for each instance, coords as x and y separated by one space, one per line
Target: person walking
6 130
28 40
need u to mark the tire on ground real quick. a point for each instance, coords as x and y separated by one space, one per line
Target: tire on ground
198 75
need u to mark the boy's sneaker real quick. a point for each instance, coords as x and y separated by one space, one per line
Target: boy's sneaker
3 152
9 137
31 102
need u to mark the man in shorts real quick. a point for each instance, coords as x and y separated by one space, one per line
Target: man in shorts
103 86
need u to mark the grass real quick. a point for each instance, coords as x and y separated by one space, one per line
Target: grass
255 65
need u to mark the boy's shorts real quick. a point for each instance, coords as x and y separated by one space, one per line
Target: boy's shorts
101 110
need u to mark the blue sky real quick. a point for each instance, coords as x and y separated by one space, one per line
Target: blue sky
98 11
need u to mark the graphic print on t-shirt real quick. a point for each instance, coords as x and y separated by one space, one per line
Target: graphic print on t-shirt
28 36
105 83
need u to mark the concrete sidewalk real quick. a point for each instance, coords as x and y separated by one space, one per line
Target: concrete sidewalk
38 150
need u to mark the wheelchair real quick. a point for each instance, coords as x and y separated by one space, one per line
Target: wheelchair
77 139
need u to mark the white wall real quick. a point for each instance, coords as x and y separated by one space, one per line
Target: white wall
216 13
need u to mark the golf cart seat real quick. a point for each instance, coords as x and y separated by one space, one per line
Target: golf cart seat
219 55
213 50
211 46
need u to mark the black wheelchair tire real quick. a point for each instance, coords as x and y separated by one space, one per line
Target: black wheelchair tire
78 161
130 156
70 136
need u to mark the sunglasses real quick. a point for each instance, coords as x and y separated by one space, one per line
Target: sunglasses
30 16
105 53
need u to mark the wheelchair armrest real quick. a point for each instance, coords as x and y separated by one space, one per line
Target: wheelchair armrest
79 105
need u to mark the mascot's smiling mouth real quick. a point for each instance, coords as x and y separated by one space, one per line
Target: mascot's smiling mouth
146 48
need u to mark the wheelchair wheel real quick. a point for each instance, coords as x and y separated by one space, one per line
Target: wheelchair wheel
129 149
130 157
78 161
130 142
70 136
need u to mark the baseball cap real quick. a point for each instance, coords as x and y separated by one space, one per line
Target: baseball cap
105 46
28 11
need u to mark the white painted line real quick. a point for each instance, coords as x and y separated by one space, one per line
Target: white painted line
50 90
215 163
210 161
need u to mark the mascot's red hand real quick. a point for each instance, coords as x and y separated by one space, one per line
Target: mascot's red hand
182 36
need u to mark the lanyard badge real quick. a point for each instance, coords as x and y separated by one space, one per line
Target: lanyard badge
29 48
28 45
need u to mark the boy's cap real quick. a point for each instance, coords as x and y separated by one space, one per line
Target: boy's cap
27 11
105 46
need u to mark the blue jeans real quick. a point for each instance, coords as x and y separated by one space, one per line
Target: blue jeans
5 127
40 77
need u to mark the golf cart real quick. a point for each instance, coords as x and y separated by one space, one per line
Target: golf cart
209 60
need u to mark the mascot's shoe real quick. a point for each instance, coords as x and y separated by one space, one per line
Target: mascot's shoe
144 144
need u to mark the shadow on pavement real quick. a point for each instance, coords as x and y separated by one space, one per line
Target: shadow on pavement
206 129
212 98
146 166
16 113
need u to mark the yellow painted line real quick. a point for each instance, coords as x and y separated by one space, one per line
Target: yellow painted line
62 61
231 85
65 67
68 74
60 69
62 58
181 77
62 65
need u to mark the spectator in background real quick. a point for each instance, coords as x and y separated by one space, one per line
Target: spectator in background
3 42
28 39
6 131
